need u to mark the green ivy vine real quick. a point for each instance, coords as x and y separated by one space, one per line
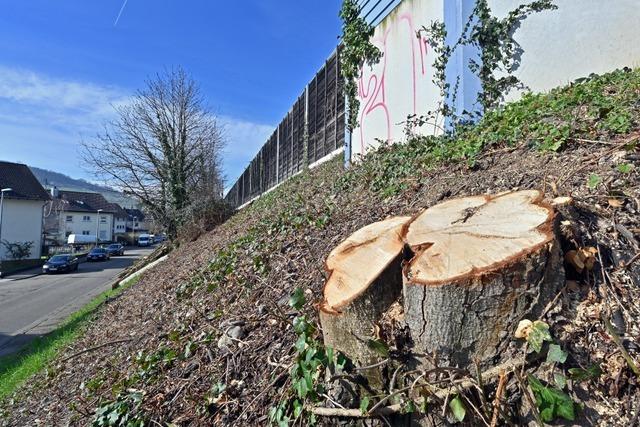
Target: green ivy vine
499 55
355 52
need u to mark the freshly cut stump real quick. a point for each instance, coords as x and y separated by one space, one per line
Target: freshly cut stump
365 279
480 265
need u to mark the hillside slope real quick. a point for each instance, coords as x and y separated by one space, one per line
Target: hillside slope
178 368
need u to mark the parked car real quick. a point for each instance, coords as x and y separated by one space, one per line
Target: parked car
115 249
144 240
60 263
98 254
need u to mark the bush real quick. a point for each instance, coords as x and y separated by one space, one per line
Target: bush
203 218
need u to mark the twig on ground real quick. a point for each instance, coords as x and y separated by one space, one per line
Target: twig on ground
616 339
631 261
378 409
375 365
87 350
496 402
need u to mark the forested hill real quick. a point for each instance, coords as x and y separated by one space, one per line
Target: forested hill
64 182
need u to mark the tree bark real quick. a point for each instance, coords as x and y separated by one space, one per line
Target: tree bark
365 279
482 264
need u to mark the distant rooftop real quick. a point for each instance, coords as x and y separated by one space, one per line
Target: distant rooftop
21 180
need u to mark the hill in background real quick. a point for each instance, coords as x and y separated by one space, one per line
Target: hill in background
64 182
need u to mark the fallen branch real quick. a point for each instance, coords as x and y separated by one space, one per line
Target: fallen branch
616 339
631 261
377 410
496 402
87 350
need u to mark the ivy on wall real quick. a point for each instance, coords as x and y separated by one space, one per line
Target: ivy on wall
356 51
499 56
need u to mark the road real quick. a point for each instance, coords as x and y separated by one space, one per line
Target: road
33 306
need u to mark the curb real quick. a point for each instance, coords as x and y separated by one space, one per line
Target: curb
119 282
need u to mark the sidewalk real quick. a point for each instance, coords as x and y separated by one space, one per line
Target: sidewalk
23 274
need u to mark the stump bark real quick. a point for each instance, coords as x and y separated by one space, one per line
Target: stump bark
365 279
481 264
477 266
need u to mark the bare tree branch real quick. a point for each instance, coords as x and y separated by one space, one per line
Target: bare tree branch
163 148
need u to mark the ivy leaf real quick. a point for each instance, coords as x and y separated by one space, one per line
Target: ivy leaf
329 353
297 300
594 180
560 380
457 409
551 402
625 167
297 408
538 335
556 354
409 407
579 374
378 346
301 343
364 405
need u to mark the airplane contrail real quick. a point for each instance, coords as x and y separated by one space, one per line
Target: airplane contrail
120 13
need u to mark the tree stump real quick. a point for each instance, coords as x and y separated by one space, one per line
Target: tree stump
481 264
473 268
365 279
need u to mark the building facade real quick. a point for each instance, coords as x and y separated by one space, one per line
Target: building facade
80 213
22 207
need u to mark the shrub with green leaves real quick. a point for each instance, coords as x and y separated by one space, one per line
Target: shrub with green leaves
122 412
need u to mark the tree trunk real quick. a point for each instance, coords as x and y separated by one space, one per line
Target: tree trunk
365 279
480 265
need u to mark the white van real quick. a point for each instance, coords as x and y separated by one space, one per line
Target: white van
144 240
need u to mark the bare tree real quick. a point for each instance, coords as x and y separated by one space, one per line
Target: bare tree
163 148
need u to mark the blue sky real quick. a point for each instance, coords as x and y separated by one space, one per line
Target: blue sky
64 63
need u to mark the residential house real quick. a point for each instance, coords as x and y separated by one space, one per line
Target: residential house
137 222
22 207
120 219
77 212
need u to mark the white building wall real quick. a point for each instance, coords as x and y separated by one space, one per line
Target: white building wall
85 223
119 225
558 46
579 38
22 222
401 83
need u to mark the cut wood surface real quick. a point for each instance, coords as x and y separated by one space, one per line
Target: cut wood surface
478 265
481 264
360 259
471 235
365 279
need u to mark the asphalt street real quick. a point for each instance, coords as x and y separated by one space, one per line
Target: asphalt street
31 306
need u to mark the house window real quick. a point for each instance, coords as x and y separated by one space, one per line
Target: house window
86 232
69 218
103 219
86 218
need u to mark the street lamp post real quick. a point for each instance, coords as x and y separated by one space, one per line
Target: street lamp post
135 221
2 191
97 225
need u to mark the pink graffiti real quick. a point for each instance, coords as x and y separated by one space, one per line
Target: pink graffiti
372 88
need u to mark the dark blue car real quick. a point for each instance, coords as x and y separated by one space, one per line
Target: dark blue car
60 263
98 254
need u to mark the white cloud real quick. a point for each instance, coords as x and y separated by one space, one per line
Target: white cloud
43 120
30 88
244 140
